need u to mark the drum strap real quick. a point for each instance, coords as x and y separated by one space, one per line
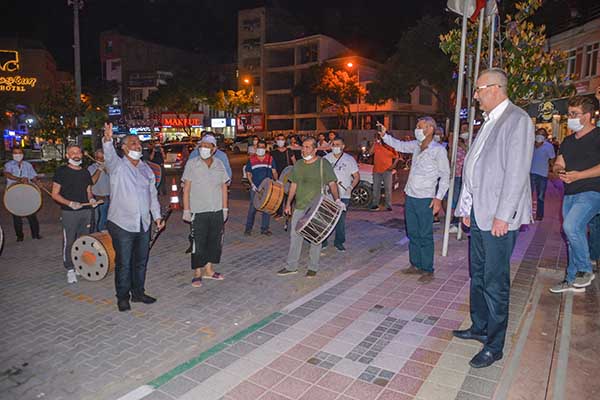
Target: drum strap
321 172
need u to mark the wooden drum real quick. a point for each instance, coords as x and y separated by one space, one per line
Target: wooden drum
93 255
319 220
269 196
22 199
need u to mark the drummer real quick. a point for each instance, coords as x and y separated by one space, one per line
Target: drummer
19 171
306 185
133 207
283 157
100 190
72 188
260 166
205 207
346 171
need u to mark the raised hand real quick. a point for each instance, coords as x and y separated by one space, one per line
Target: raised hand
108 132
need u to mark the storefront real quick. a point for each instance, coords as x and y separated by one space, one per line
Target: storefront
176 126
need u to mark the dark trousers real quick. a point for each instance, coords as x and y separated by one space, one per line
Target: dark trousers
265 220
490 283
207 238
340 228
34 225
131 257
419 226
538 184
594 239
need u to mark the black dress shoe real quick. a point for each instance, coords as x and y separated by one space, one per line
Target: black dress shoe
37 237
143 299
123 305
19 239
484 358
468 334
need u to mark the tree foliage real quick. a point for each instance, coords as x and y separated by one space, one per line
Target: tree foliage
337 90
233 102
534 73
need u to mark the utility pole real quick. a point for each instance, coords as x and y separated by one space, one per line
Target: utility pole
77 5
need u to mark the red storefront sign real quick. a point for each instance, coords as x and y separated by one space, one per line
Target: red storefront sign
182 120
254 122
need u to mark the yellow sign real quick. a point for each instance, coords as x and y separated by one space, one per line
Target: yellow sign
16 83
9 60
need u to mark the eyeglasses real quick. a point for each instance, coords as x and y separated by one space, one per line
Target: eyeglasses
479 88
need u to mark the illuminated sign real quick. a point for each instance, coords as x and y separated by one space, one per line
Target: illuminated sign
218 122
113 111
9 60
181 120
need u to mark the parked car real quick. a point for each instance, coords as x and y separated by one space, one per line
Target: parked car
240 144
362 194
176 156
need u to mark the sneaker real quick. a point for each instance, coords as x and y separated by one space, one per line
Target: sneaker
388 209
565 286
266 233
71 276
426 277
247 233
453 229
583 279
374 208
340 248
285 271
324 245
412 270
311 274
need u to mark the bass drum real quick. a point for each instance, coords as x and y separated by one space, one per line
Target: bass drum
1 239
269 196
22 199
319 220
93 255
285 178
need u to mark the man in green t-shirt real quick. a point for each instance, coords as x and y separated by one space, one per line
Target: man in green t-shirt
306 184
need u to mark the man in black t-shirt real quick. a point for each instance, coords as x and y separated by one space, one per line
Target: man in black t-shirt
578 166
72 189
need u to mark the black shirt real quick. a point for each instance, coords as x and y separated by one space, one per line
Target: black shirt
579 155
158 157
73 184
282 159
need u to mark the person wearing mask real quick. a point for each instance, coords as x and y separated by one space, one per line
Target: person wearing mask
100 190
543 154
296 148
19 171
157 156
323 145
494 202
253 145
72 189
283 157
307 182
260 166
219 154
423 200
461 152
205 207
346 172
385 159
578 166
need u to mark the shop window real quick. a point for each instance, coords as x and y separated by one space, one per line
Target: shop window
591 60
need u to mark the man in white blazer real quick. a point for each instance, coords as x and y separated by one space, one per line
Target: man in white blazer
495 201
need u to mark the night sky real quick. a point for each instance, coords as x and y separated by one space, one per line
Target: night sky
208 26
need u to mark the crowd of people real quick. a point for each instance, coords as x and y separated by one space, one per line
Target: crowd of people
495 178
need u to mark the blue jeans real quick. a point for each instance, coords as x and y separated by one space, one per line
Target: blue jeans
102 215
594 240
538 185
419 226
578 211
340 228
131 257
457 188
264 226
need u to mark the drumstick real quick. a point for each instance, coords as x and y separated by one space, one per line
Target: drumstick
157 234
44 189
91 204
90 157
82 204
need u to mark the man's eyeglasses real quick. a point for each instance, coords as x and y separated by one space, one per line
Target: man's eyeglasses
479 88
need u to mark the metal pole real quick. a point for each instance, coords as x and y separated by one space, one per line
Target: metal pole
491 46
459 96
77 5
358 97
476 74
469 105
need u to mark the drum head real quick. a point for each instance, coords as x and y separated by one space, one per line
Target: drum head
263 193
285 178
22 199
309 211
91 257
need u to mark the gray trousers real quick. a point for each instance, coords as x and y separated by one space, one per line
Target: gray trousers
386 177
75 223
296 242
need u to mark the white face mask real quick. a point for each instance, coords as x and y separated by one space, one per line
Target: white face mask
261 152
76 163
17 157
574 124
539 138
419 135
437 138
336 150
307 157
281 143
136 155
205 152
464 136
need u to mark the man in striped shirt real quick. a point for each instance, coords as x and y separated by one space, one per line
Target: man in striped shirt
260 166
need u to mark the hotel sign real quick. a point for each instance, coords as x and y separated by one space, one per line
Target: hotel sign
9 62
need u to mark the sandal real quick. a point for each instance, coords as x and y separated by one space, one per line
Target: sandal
216 276
197 282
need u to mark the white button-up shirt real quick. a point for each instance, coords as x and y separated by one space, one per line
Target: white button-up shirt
22 170
427 167
344 167
473 156
132 191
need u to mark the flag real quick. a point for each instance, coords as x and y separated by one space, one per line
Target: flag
472 7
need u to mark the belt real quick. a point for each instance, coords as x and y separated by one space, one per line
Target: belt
101 197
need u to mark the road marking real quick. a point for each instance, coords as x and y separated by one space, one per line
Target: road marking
138 393
560 379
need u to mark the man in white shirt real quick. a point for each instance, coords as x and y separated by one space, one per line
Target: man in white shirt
19 171
346 171
134 202
100 190
495 201
429 165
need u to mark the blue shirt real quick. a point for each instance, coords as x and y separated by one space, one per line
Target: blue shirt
260 169
541 156
133 194
220 155
25 170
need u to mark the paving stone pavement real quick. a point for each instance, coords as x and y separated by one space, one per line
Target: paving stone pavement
61 341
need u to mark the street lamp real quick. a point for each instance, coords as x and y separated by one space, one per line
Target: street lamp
248 81
351 65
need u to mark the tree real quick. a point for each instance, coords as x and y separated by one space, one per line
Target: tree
417 62
533 72
233 102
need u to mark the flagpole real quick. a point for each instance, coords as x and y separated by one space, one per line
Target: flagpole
459 96
491 45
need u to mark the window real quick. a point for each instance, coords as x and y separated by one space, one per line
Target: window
401 122
571 61
590 67
136 95
280 124
308 53
280 104
306 124
280 80
425 97
280 58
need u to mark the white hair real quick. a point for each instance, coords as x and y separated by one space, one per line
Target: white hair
498 75
428 120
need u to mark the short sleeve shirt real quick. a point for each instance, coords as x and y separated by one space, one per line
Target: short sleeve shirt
102 186
581 154
343 167
25 170
73 184
282 159
541 156
260 169
308 179
206 191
